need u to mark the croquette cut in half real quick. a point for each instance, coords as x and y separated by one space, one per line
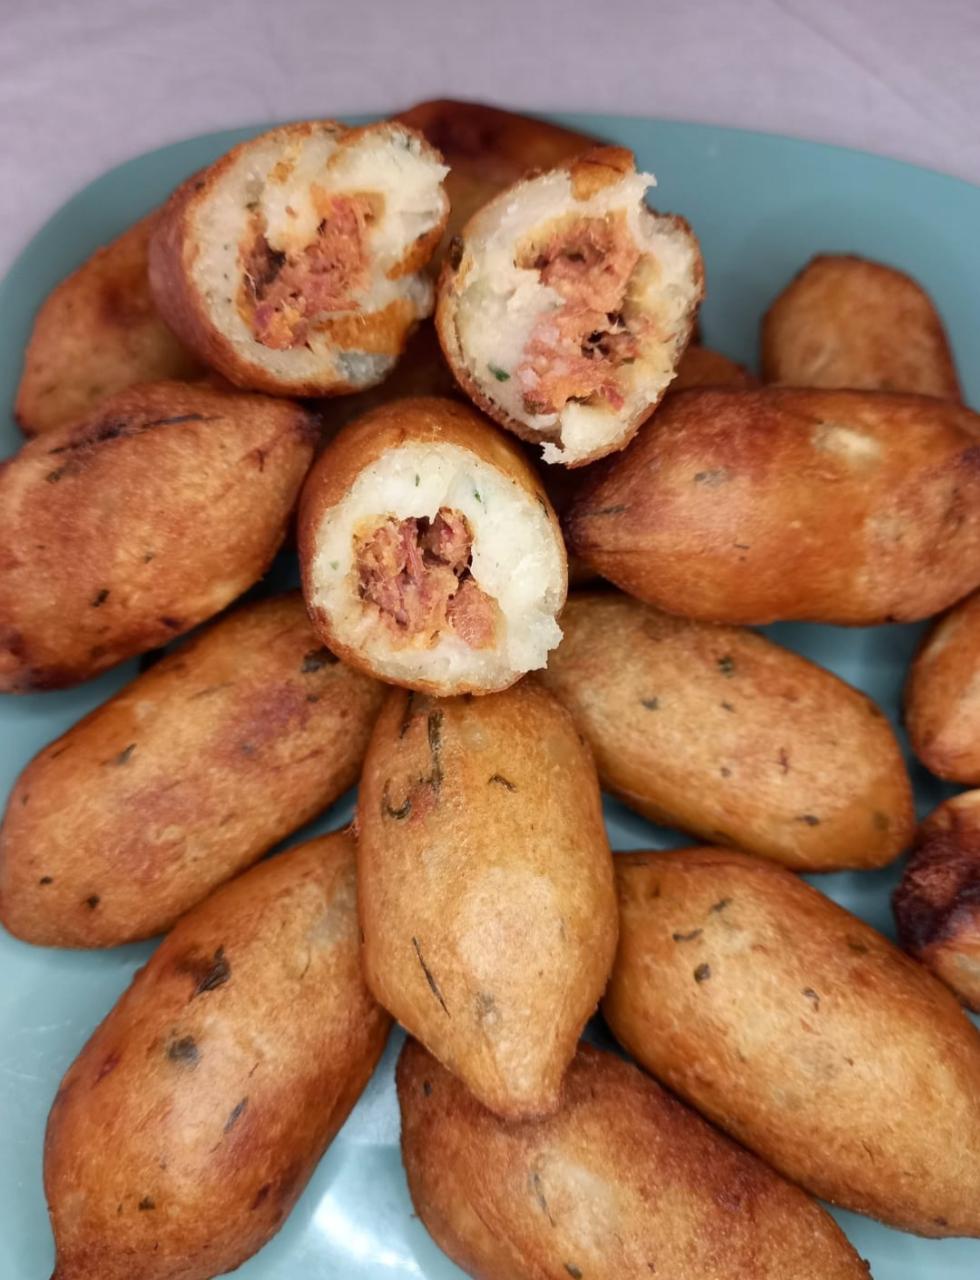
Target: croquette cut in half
295 263
566 305
430 554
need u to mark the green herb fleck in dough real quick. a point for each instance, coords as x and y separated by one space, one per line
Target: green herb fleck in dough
500 374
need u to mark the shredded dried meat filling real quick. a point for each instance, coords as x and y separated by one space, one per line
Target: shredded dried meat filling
283 293
417 573
575 353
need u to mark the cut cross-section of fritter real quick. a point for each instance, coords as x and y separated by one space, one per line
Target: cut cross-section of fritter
430 554
567 303
295 264
488 149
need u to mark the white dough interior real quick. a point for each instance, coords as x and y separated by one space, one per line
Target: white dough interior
500 303
275 176
517 559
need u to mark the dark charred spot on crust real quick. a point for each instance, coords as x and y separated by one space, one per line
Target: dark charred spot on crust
501 781
183 1050
117 429
726 706
247 748
713 478
810 819
99 599
812 996
178 418
880 821
427 1088
686 937
434 730
316 659
208 974
702 973
235 1115
433 985
941 1222
172 624
454 254
398 812
651 704
719 906
124 756
726 665
92 901
261 1195
573 1270
46 880
486 1004
725 771
857 946
146 1204
783 759
407 714
537 1190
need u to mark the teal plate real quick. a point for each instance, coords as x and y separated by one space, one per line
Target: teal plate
761 206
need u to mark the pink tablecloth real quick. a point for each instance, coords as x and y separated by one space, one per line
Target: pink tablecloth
84 85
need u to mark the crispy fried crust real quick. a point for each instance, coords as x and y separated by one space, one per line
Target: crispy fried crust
417 420
126 529
847 322
172 254
802 1032
721 732
937 903
942 695
485 887
621 1184
187 1127
589 171
487 149
98 332
753 506
702 367
185 777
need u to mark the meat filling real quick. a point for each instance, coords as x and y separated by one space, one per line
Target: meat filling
284 293
417 573
575 353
